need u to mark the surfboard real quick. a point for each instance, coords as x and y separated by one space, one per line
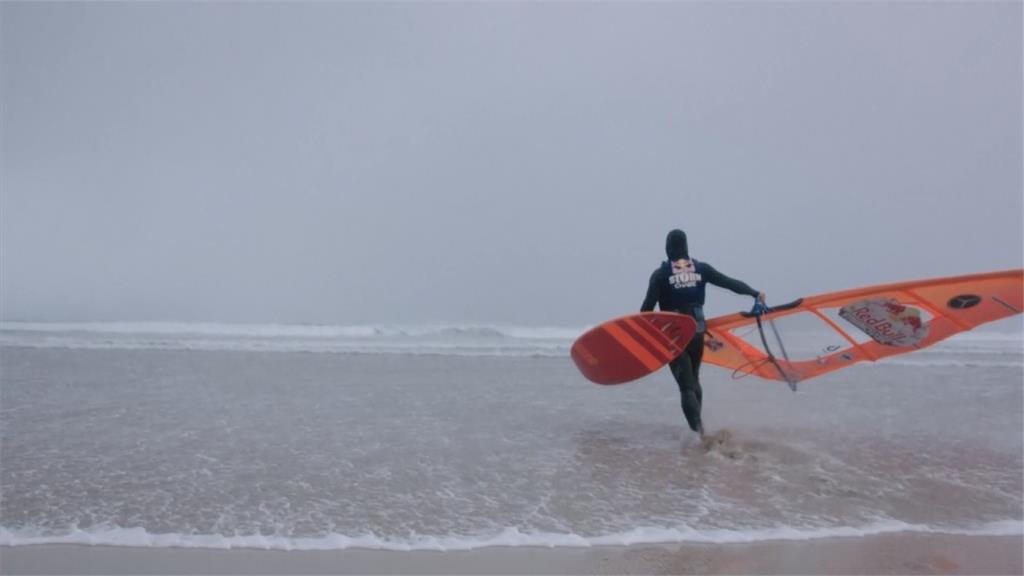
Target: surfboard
633 346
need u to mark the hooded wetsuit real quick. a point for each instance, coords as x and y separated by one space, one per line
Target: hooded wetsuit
678 286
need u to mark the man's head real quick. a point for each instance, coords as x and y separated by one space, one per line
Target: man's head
675 245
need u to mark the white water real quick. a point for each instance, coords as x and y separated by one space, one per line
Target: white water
462 437
139 537
452 339
984 348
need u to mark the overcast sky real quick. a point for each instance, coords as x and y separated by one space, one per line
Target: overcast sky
352 163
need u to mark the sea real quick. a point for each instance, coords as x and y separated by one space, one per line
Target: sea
455 437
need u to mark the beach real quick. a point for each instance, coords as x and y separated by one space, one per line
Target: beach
884 554
470 451
359 287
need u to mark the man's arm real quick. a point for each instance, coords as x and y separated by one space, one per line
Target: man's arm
653 291
715 277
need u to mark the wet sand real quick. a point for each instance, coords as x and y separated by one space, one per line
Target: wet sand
903 553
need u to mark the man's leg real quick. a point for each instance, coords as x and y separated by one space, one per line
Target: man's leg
695 350
689 390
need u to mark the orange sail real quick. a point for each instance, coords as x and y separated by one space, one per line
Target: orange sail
816 335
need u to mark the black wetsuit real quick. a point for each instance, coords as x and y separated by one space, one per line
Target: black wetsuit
679 287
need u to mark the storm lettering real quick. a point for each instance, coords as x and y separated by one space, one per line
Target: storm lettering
685 280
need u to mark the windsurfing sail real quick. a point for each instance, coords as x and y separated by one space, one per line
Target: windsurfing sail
819 334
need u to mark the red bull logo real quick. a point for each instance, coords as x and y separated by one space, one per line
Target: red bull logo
894 308
684 274
887 321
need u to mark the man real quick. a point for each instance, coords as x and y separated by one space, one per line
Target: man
678 286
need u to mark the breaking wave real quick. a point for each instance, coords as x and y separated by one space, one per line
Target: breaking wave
511 537
451 339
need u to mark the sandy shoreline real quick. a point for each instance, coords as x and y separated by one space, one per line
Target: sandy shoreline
903 553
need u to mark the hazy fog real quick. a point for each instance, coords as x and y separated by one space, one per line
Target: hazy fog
474 162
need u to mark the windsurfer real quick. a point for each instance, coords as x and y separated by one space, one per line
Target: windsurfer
678 286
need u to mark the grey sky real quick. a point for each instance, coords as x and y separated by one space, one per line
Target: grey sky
516 163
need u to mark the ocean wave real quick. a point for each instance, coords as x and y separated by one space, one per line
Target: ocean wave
446 339
949 363
415 349
297 330
968 349
509 537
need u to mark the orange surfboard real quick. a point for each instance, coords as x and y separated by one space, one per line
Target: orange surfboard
632 346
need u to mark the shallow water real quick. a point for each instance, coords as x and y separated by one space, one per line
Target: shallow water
158 445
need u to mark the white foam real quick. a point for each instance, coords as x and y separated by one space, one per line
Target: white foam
996 349
448 339
299 330
948 363
510 537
